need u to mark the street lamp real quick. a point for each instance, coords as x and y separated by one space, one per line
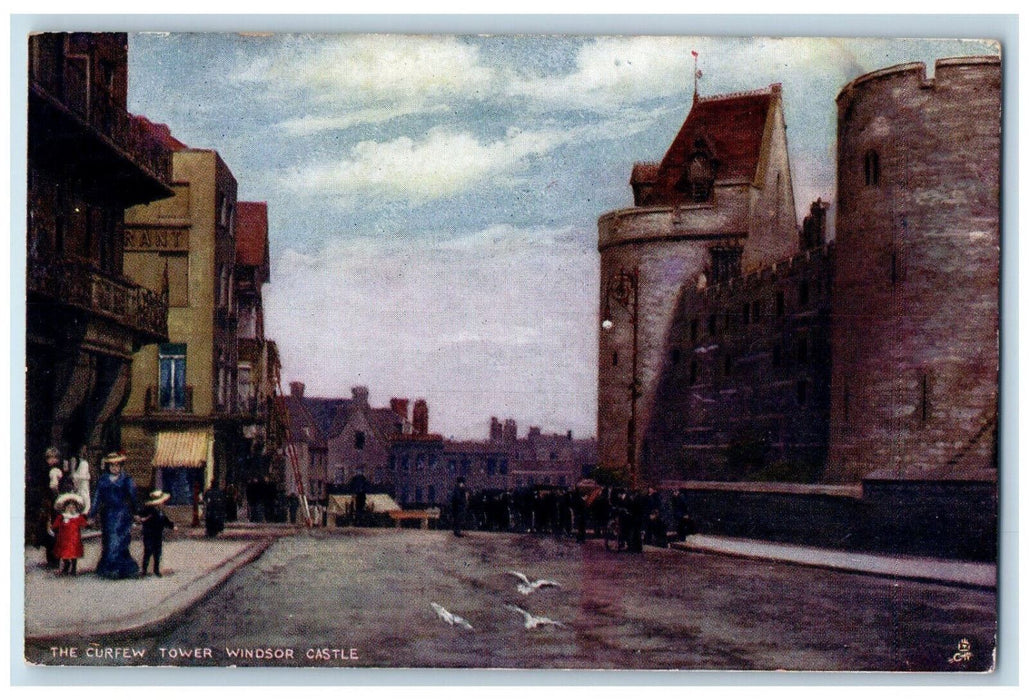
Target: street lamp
624 290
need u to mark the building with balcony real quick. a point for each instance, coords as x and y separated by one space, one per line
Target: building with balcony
88 161
258 367
181 427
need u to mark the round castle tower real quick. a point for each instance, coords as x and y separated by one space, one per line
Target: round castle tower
720 202
915 292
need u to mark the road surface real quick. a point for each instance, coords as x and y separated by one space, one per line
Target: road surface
363 598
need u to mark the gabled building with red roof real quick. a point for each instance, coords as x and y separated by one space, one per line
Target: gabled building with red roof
257 367
720 202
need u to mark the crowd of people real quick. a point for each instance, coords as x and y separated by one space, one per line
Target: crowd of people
626 518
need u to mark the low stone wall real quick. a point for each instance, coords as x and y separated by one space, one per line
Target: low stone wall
936 519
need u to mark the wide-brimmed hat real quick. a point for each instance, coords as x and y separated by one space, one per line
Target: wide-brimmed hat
114 458
157 497
66 498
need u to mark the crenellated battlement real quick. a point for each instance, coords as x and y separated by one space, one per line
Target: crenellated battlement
916 73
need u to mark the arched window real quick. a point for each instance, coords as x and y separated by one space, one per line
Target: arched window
871 169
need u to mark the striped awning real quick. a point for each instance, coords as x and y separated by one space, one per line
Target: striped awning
183 448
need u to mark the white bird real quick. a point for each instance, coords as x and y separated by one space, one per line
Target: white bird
531 621
526 586
449 617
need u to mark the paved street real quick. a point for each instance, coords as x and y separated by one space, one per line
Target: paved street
362 598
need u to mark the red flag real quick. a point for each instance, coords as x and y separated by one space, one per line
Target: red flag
695 54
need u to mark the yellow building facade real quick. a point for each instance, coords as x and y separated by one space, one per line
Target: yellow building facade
181 424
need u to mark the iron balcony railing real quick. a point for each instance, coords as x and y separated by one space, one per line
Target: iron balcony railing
81 286
94 105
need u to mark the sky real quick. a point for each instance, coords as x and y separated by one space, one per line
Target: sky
433 200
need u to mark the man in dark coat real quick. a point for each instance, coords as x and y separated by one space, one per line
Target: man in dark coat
458 505
214 510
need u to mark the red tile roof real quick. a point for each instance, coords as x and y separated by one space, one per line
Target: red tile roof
252 233
732 126
161 132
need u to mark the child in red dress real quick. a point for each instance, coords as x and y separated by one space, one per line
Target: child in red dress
68 526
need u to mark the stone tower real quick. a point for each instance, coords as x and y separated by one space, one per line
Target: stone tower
915 293
720 202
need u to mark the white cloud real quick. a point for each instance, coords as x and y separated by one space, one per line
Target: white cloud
499 322
373 77
313 124
443 163
612 71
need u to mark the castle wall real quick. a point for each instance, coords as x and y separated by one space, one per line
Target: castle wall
915 296
744 385
668 248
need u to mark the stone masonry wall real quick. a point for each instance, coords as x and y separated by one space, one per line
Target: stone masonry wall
744 387
915 297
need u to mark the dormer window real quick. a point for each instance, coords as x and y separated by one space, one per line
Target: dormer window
698 179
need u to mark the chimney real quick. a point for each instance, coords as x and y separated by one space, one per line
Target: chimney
296 390
510 430
496 433
569 436
420 417
534 432
399 406
360 394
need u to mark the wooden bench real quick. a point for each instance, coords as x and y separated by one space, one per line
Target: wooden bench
399 516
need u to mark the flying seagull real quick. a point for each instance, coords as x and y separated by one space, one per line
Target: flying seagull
449 617
526 586
531 621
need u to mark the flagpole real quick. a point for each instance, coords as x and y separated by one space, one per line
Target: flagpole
696 77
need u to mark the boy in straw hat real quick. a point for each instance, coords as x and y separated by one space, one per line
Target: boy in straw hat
67 526
155 522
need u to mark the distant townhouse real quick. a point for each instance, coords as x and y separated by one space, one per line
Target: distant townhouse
303 456
360 436
424 466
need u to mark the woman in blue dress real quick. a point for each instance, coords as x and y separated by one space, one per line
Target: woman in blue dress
115 504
